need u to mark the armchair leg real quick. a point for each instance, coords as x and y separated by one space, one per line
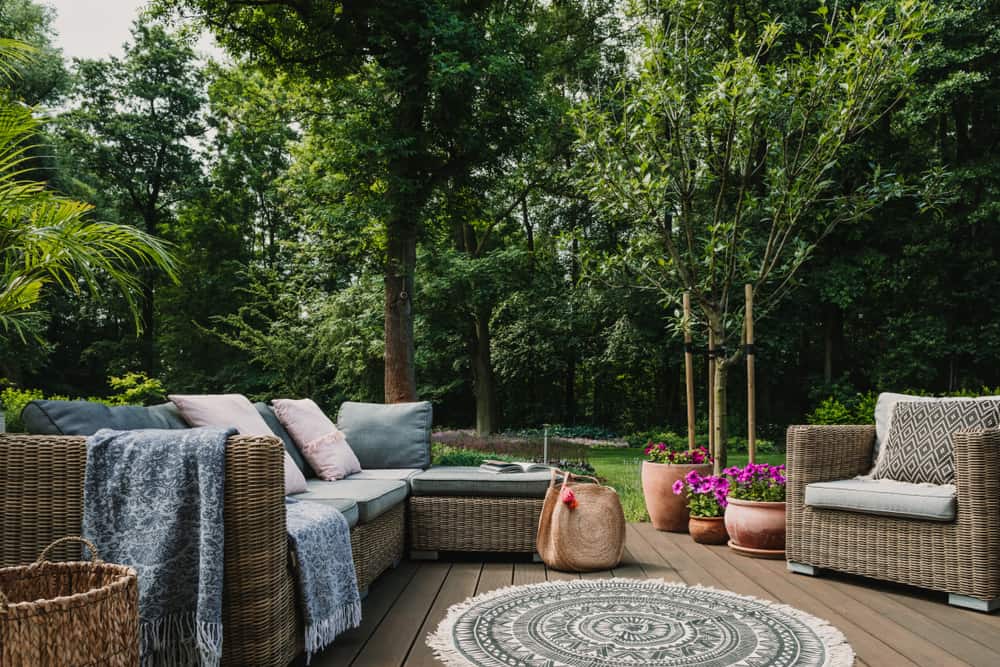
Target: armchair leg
801 568
975 604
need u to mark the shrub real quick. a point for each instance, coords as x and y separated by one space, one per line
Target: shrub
860 408
525 448
445 455
736 444
131 388
14 400
136 389
559 431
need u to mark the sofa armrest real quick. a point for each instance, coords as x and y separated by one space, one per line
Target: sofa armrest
41 495
825 453
977 487
258 599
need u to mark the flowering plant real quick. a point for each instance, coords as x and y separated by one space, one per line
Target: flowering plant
706 493
660 453
757 481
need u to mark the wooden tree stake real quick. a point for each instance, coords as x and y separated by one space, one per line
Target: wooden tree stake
751 399
689 369
711 393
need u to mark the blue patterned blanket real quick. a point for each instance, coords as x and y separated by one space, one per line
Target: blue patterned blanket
324 571
153 500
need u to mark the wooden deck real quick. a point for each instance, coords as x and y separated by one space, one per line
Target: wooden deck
888 626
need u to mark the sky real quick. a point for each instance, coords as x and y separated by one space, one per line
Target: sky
98 28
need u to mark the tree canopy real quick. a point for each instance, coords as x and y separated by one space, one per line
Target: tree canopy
494 205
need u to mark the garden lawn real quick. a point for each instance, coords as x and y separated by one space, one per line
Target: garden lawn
620 467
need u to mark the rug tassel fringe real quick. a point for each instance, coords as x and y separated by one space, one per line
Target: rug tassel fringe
838 651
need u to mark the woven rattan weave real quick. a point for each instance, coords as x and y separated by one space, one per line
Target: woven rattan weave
69 614
961 557
459 523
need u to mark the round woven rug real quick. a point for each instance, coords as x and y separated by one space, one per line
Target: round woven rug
626 622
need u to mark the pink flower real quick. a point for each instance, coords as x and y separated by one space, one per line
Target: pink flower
569 498
678 487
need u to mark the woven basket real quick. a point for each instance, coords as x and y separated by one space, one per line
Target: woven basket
69 614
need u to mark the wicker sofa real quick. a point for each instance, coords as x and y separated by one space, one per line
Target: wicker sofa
960 556
41 499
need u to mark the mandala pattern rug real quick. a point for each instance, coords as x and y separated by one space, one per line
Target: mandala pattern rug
628 623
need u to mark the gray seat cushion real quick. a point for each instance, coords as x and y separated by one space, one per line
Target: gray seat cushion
374 497
278 429
388 436
885 497
401 474
469 481
347 507
87 418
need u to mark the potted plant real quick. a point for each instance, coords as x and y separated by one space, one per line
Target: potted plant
706 502
755 517
662 468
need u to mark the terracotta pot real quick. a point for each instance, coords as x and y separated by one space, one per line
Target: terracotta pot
756 528
708 529
667 511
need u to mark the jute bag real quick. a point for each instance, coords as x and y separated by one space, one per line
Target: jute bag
584 534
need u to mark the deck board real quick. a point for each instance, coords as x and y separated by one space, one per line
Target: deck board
886 624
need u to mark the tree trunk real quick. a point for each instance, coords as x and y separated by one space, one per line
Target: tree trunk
483 380
400 378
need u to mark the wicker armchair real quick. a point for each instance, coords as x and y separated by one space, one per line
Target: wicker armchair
961 557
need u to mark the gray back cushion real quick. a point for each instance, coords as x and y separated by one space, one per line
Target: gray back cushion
86 418
388 436
279 430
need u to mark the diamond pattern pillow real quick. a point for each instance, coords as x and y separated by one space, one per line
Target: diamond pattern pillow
919 449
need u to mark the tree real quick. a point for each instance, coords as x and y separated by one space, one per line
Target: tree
724 152
43 78
419 87
131 129
48 240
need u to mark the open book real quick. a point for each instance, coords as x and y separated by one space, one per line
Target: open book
509 466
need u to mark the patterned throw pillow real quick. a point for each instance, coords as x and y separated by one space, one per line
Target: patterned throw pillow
919 448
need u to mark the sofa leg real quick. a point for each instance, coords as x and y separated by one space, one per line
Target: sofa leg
416 554
975 604
801 568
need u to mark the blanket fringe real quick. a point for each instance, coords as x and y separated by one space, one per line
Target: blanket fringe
180 640
321 634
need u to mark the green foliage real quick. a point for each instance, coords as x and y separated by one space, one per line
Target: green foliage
860 408
585 431
129 389
446 455
47 240
13 400
136 389
679 443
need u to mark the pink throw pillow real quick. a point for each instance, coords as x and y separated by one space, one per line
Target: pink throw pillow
235 411
320 441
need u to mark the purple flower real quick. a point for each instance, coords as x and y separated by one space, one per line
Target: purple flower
678 487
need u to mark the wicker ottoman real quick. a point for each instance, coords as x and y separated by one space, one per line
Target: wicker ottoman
466 509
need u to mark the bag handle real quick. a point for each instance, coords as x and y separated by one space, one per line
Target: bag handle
567 476
94 556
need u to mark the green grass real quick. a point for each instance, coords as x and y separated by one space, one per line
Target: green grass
620 467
